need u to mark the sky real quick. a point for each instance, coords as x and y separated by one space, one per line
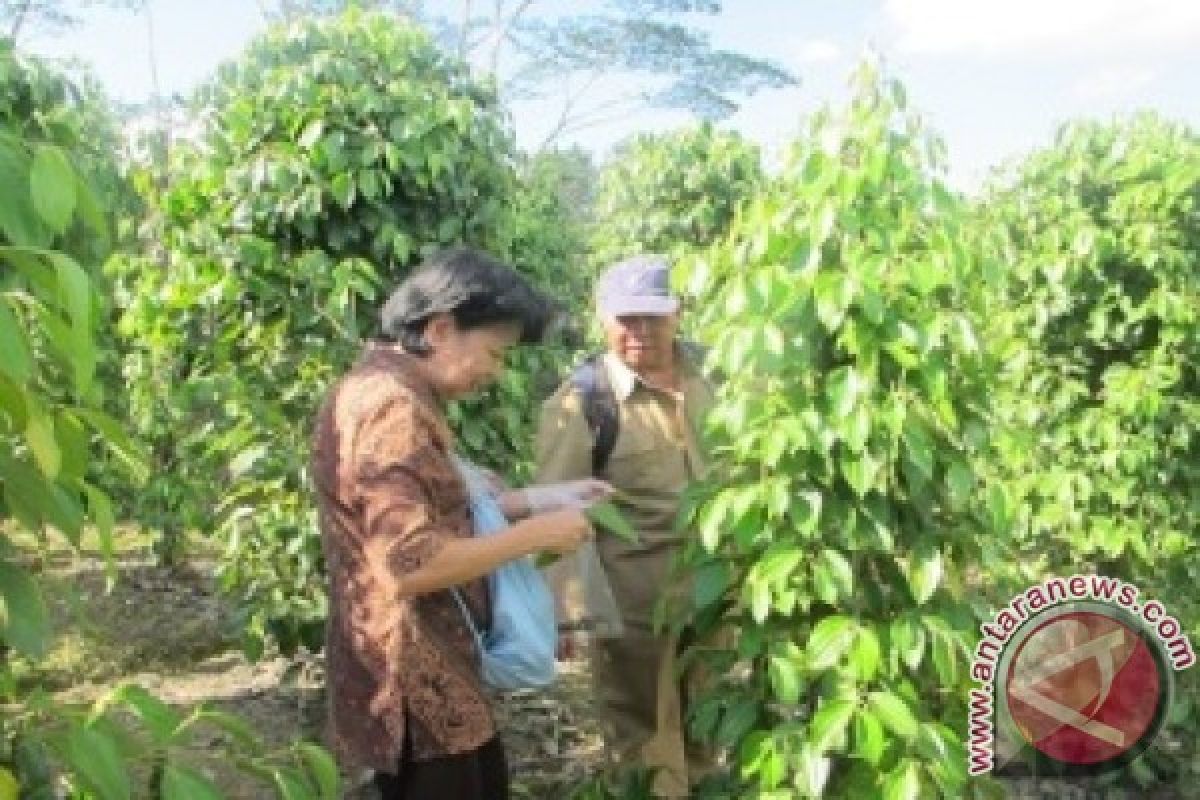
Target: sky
994 79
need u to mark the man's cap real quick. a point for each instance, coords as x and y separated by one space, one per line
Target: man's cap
637 285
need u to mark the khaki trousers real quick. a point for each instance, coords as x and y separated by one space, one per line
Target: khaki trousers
643 706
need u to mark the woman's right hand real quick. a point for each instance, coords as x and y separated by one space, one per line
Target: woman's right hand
562 532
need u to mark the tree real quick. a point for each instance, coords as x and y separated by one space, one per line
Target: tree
642 37
571 54
19 17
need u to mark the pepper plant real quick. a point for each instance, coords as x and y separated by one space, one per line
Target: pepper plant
840 533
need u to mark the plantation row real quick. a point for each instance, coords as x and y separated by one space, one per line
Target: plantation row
929 402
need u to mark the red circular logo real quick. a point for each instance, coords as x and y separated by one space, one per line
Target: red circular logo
1084 688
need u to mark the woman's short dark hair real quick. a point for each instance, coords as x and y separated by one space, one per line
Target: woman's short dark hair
476 289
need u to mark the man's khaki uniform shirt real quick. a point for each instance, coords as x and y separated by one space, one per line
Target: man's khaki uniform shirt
656 455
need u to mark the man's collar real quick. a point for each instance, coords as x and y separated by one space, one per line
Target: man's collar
624 380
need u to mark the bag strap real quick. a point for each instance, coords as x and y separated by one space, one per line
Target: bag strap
590 379
466 612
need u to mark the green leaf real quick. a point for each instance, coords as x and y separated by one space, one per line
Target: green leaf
866 654
24 624
290 784
710 583
15 358
343 190
832 577
605 515
834 292
94 757
830 639
101 512
19 221
311 133
322 767
135 459
737 722
829 724
785 680
52 187
924 572
76 290
960 481
812 772
869 741
160 719
845 385
903 783
908 641
184 783
918 447
945 658
9 788
894 713
39 435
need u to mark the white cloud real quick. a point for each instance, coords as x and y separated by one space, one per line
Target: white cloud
816 51
1033 26
1113 82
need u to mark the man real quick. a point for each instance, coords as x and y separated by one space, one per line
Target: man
657 398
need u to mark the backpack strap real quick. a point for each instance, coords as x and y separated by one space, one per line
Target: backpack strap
590 379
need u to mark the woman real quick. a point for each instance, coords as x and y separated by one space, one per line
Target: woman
403 674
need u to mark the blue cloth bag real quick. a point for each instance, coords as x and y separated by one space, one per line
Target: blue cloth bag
518 651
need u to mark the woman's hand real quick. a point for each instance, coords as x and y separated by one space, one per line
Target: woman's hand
575 495
561 532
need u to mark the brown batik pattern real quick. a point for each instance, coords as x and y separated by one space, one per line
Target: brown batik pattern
389 497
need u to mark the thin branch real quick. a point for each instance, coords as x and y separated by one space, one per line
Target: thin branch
466 28
597 116
160 109
502 32
19 20
564 117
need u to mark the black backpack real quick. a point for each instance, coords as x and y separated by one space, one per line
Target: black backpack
590 379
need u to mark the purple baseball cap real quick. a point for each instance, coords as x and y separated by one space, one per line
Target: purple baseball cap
637 285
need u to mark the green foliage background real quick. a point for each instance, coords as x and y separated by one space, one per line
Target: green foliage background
665 193
336 154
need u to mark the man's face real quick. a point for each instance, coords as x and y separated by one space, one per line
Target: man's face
642 341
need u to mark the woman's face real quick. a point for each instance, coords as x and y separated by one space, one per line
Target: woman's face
465 362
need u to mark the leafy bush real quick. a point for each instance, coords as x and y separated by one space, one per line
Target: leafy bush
1101 392
844 514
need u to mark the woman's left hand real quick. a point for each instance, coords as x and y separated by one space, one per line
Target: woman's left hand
569 495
